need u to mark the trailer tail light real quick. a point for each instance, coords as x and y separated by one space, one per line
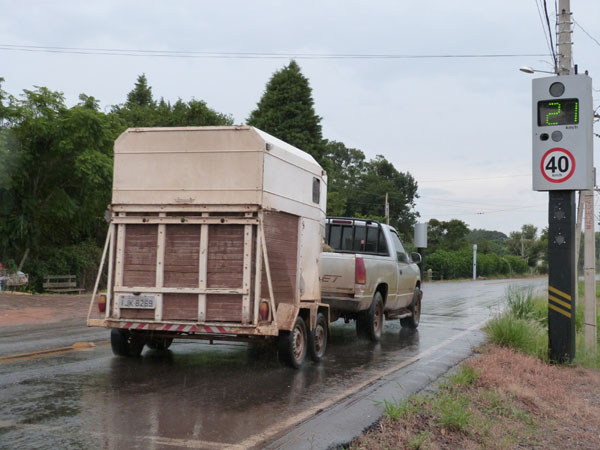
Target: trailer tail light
360 272
263 310
102 302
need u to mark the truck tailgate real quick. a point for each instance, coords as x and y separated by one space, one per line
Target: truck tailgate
337 271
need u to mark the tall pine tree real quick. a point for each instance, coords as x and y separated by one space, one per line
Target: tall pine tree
286 110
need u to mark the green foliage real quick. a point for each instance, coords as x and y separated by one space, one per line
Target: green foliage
520 302
524 335
286 110
453 411
400 409
141 110
447 235
464 376
56 173
459 264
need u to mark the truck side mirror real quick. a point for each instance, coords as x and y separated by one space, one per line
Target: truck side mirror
416 257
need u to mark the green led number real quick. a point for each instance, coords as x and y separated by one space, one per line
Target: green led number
576 118
557 104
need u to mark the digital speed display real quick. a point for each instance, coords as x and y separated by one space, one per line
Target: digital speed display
558 112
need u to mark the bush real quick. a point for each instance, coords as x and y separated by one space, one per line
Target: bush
459 264
81 260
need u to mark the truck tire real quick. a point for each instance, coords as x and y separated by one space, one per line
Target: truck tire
317 339
126 343
415 308
370 322
159 344
292 344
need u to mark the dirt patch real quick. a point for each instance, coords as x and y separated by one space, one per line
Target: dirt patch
19 309
513 401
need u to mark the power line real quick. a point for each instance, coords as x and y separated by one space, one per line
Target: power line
250 55
549 32
588 34
474 179
537 4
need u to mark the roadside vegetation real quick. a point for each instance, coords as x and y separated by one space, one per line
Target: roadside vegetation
508 396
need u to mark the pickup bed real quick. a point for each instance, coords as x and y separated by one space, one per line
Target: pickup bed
369 276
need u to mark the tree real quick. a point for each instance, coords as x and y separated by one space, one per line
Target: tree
345 167
141 110
286 110
59 176
380 178
447 235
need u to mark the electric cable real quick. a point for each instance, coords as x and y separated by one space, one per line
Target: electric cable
251 55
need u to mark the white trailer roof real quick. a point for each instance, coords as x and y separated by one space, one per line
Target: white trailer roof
214 165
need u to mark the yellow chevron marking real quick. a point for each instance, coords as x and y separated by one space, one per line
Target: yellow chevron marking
559 301
561 293
558 310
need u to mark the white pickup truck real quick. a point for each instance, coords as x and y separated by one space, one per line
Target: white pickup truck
369 276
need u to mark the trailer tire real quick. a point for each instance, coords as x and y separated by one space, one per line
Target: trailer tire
370 322
317 339
159 344
415 308
126 343
292 344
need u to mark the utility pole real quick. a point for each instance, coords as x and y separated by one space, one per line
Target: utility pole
387 210
586 198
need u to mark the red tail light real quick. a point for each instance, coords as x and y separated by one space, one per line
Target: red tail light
102 302
360 272
263 310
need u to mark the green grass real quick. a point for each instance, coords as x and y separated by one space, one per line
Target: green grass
400 409
524 327
452 410
525 335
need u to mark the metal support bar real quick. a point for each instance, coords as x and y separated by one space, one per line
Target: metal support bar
185 220
106 243
203 271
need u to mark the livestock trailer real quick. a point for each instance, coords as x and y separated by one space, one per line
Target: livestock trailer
215 233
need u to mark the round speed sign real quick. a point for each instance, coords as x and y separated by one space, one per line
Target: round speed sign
558 165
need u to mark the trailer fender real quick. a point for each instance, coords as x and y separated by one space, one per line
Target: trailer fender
286 316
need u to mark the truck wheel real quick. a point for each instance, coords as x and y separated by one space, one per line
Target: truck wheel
292 344
415 308
159 344
317 339
125 343
370 323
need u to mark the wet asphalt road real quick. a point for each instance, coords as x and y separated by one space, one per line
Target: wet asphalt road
215 396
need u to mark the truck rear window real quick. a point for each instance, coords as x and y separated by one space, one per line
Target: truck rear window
368 238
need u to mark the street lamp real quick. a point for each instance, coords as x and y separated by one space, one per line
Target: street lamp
528 69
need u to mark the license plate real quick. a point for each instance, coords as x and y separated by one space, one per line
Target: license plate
144 301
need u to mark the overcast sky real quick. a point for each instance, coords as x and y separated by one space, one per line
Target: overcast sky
460 126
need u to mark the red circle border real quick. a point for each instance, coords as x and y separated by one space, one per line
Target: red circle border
571 157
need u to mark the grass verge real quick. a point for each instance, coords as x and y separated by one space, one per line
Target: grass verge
507 397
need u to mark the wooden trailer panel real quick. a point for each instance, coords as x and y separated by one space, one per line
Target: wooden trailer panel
281 236
139 267
182 255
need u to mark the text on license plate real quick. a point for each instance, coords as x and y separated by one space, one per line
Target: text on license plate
137 301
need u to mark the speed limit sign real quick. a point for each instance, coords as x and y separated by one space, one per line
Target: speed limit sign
558 165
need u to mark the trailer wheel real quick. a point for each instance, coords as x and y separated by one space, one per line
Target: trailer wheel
292 344
370 323
317 339
415 308
126 343
159 344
